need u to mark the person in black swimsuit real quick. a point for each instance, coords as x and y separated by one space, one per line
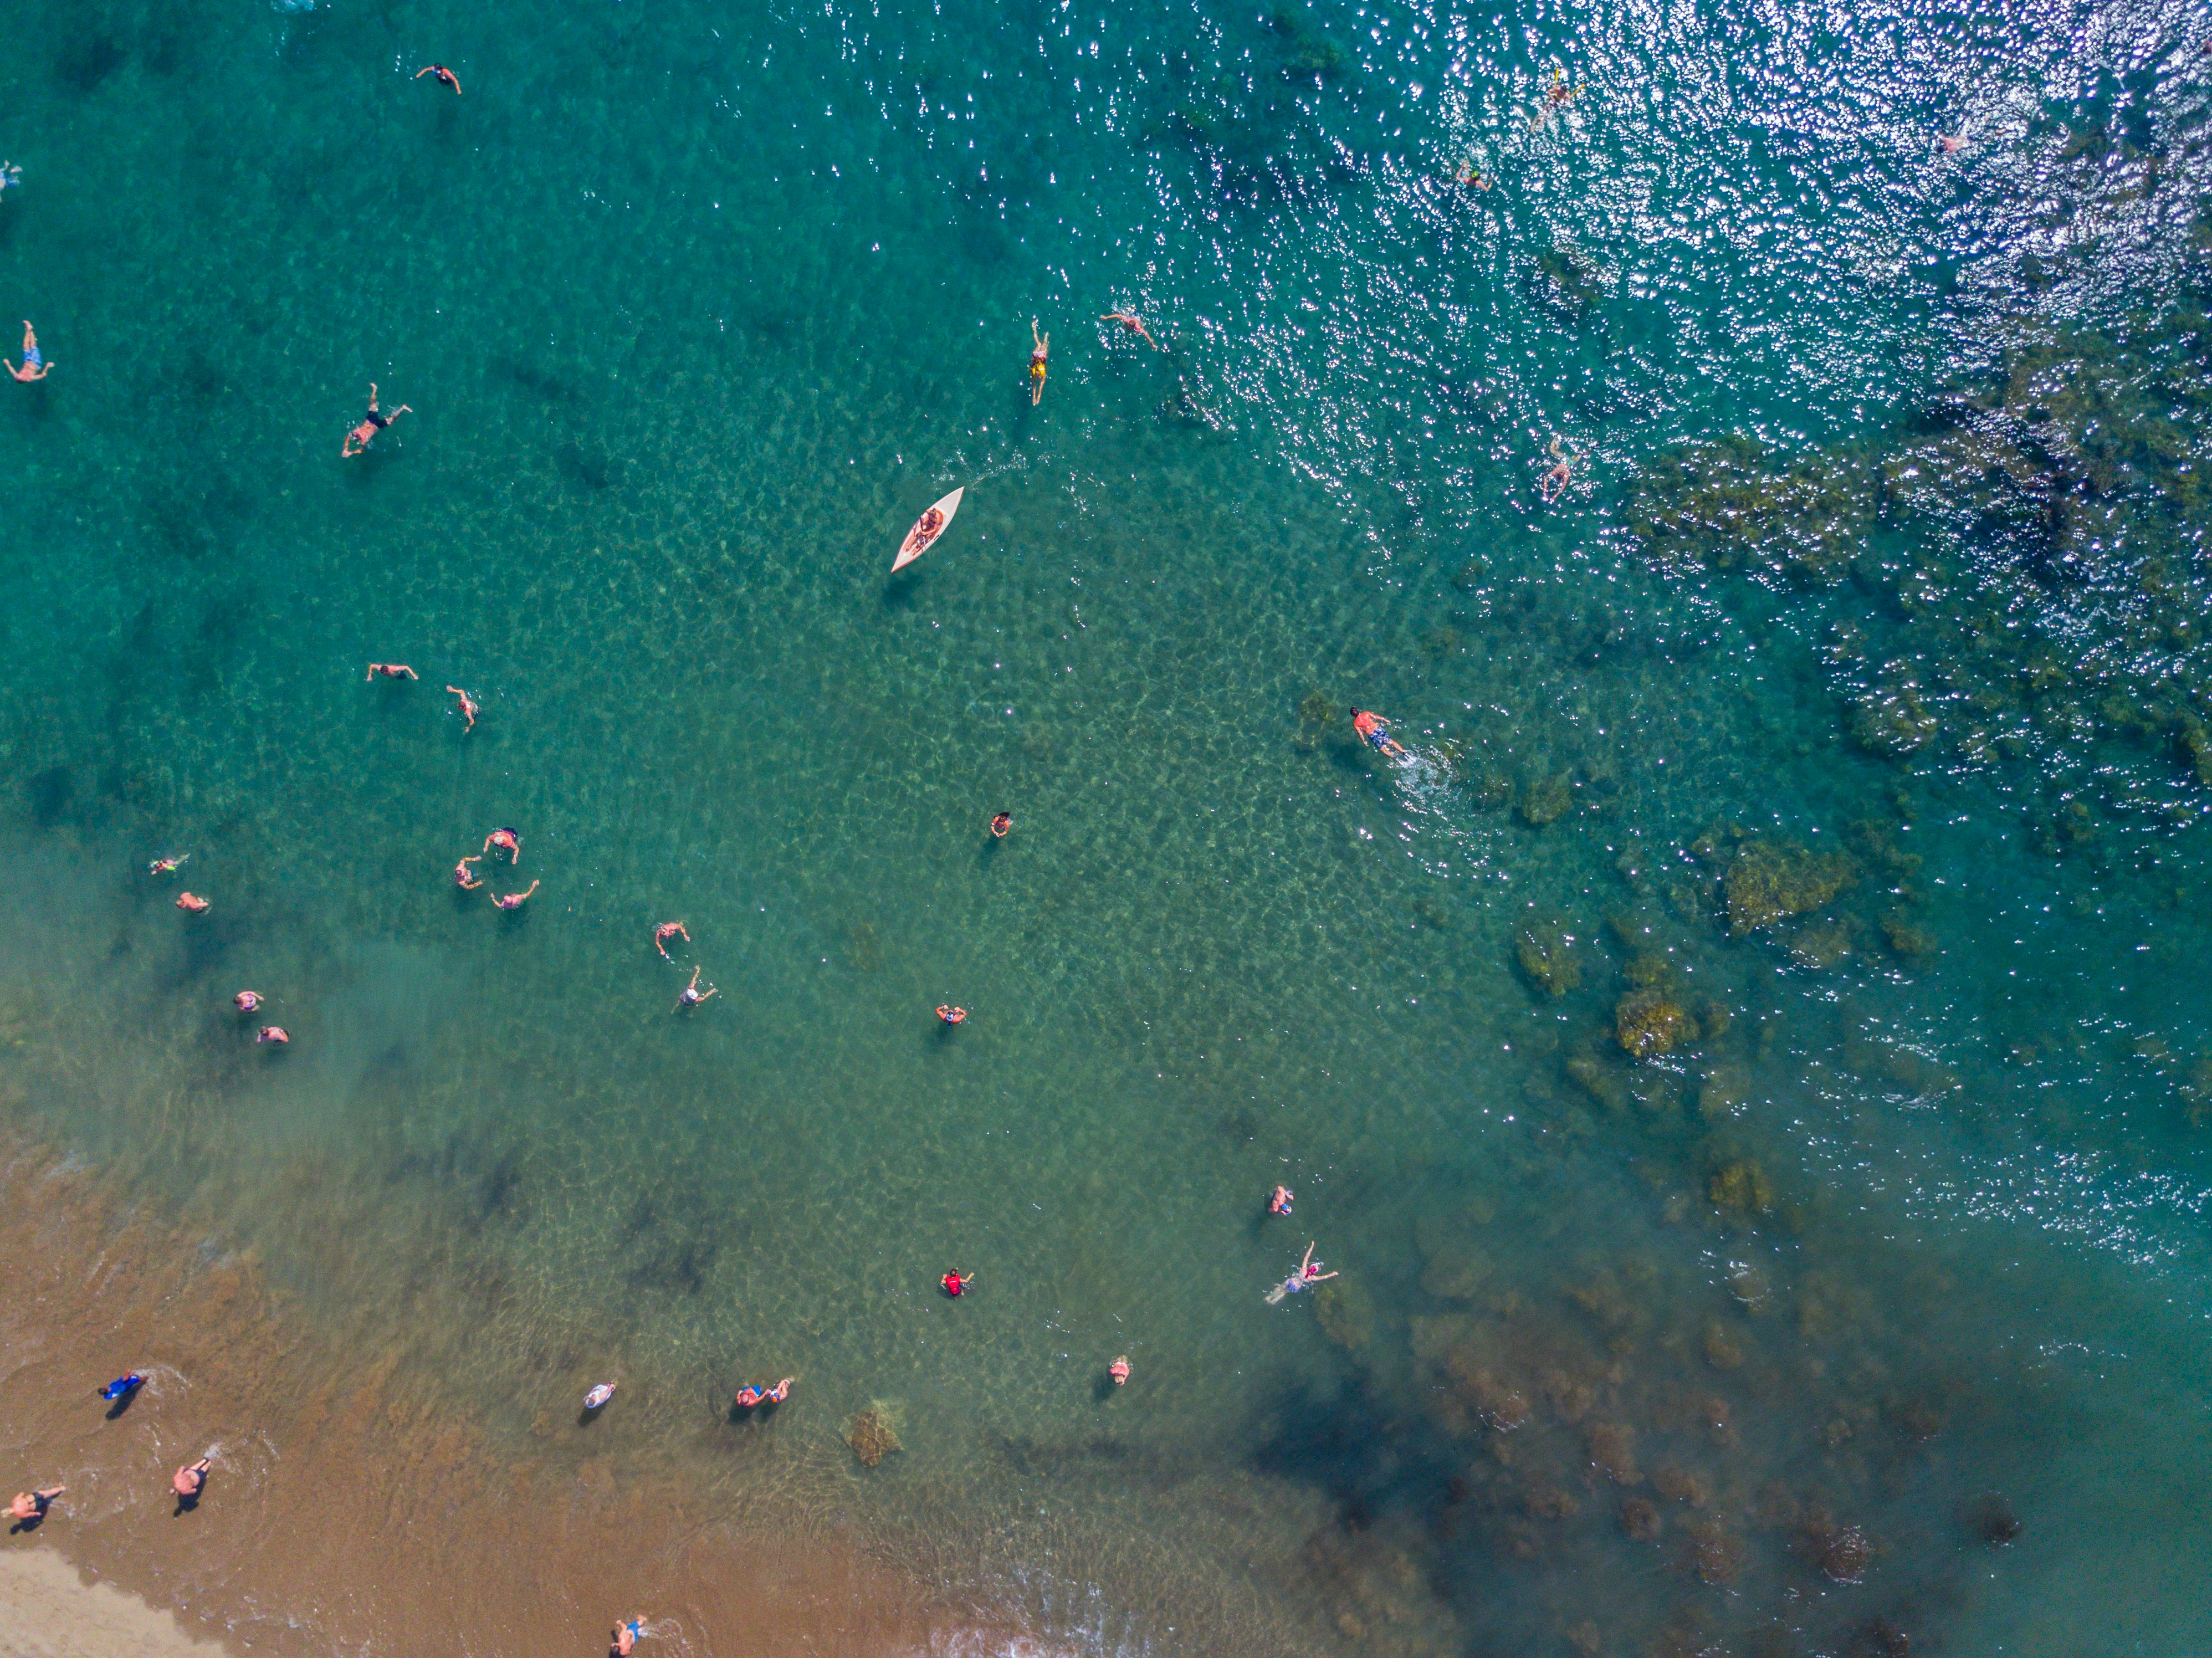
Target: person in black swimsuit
371 423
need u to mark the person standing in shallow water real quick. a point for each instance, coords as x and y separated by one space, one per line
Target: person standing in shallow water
189 1481
1001 823
358 438
32 1504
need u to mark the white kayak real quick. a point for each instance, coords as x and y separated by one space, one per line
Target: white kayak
927 529
598 1395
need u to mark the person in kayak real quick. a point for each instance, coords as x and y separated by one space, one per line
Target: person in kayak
956 1283
1043 344
1373 730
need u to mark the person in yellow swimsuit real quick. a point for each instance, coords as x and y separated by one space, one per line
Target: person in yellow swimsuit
1044 343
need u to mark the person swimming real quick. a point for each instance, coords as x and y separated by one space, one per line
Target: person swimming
1119 1369
275 1034
167 866
465 878
781 1391
956 1283
1279 1204
664 932
468 709
1308 1273
691 995
1555 482
358 440
392 671
749 1395
446 76
1043 344
191 902
1001 824
512 900
508 841
1129 320
1375 730
35 368
247 1001
951 1016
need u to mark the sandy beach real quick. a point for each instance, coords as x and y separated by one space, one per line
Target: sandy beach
47 1610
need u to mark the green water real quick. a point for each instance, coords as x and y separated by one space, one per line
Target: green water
696 307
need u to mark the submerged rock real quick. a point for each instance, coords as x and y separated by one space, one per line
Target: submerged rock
1740 1190
872 1436
1346 1312
1647 1024
1545 798
1768 881
1546 954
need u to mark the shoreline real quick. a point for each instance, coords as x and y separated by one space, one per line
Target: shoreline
343 1511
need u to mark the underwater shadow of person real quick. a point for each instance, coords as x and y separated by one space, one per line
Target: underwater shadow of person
902 590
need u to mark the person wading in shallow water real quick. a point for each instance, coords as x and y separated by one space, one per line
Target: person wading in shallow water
512 900
624 1638
664 932
1001 824
956 1283
189 1481
465 878
691 995
358 438
31 1504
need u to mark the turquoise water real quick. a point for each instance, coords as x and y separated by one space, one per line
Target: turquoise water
1842 724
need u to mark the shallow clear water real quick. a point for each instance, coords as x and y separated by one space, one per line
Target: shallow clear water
1769 1340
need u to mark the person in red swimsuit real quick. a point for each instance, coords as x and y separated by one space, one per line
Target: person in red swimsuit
956 1283
1374 729
951 1015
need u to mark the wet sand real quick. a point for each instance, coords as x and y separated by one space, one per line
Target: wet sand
341 1509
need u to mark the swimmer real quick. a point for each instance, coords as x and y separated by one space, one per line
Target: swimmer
749 1395
247 1001
275 1034
781 1391
1374 729
446 76
468 709
508 841
1562 473
512 900
1001 824
1470 176
11 177
951 1015
129 1382
167 866
1279 1204
31 1505
1308 1273
392 671
1559 92
189 1481
190 902
664 932
1036 362
691 995
956 1283
1119 1369
1129 319
357 440
624 1638
1952 142
35 368
465 878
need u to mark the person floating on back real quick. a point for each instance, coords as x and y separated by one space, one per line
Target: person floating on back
1129 319
512 900
358 440
1309 1274
1375 730
392 671
691 995
35 368
446 76
1043 344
